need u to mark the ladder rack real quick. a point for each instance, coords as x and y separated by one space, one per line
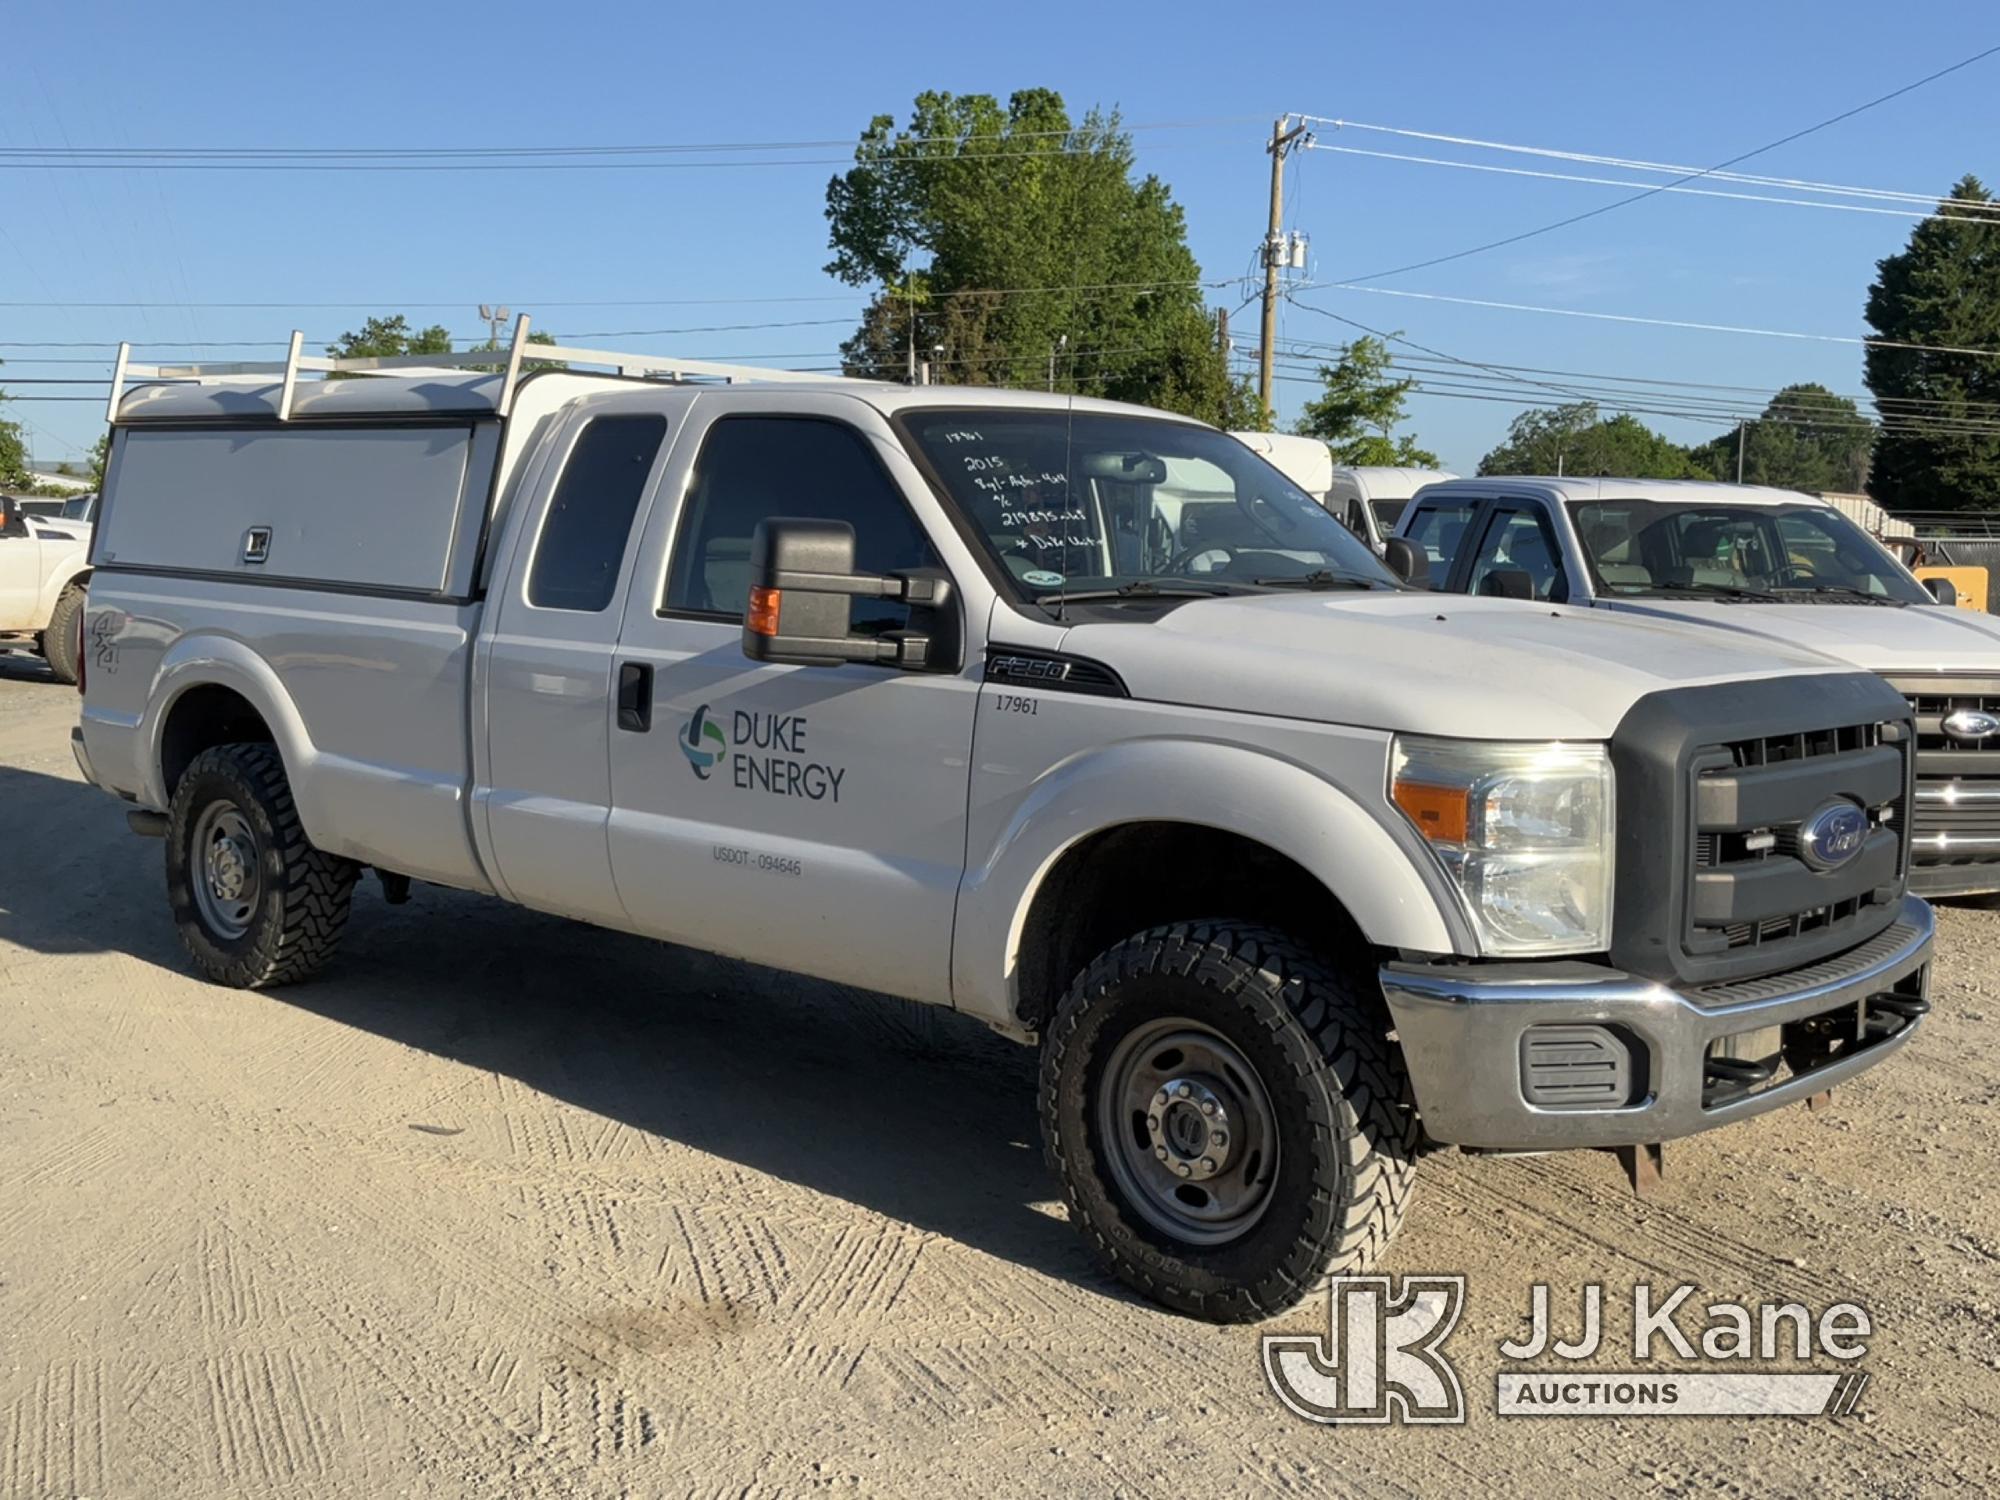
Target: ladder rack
507 363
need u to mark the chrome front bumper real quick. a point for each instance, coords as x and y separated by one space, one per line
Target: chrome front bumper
1466 1032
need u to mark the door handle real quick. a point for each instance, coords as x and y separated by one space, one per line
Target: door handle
635 696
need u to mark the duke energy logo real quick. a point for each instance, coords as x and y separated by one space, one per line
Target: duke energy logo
703 743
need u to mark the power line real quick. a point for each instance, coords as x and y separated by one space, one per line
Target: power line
682 148
718 156
1577 312
1095 288
1605 208
1936 211
1306 348
1634 164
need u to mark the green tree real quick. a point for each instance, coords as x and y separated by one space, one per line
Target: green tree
1807 439
384 338
1942 291
13 456
1575 439
100 456
1012 246
1361 405
13 451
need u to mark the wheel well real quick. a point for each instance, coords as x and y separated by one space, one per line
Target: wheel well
202 718
1139 875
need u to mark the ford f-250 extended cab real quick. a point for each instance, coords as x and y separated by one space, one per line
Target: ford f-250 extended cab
1075 716
1763 562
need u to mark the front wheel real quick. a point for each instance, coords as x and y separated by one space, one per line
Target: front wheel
61 643
1229 1118
255 902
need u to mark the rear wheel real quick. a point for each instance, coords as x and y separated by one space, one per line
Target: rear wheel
256 903
63 640
1230 1120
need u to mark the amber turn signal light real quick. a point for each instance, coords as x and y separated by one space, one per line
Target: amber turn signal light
1442 813
762 617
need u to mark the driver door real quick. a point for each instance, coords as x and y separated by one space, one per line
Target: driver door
807 817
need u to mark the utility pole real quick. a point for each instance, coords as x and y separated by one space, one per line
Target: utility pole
1741 428
495 315
1274 251
910 298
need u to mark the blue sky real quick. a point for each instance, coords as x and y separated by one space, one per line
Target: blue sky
1691 82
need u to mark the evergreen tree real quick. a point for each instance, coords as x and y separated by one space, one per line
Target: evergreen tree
1943 292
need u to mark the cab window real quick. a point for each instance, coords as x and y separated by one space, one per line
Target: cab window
753 468
1518 542
584 535
1440 531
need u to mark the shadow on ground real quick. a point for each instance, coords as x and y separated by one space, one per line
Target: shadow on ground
912 1111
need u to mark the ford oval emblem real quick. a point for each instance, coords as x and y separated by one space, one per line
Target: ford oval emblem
1833 835
1971 725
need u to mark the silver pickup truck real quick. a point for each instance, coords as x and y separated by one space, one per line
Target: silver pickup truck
1075 716
1762 562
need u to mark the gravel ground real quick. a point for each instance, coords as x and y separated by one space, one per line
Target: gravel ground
504 1205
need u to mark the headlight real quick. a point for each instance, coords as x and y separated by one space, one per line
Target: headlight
1524 830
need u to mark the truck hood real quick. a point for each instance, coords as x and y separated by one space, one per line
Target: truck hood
1874 637
1425 663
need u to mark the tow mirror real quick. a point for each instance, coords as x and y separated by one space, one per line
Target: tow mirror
1407 561
802 579
1942 589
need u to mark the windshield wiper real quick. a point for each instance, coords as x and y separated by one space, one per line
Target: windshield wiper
1843 593
1139 588
1320 578
1703 591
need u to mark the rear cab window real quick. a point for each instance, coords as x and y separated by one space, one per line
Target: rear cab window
589 522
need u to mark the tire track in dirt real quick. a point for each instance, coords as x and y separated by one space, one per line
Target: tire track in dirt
55 1437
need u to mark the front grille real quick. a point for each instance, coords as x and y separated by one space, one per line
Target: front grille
1715 784
1754 888
1958 780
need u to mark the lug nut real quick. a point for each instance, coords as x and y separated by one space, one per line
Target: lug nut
1207 1165
1183 1091
1161 1152
1208 1106
1183 1168
1220 1138
1160 1098
1152 1122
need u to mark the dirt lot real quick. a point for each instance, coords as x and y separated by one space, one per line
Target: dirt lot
509 1206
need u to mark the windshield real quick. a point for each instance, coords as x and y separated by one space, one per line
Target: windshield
79 509
1084 502
1794 553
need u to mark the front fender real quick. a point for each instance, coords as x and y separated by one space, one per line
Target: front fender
72 570
1375 868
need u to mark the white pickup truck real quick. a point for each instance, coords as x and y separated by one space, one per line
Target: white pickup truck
1772 564
44 574
1075 716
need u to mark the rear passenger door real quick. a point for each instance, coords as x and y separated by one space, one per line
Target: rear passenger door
547 663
